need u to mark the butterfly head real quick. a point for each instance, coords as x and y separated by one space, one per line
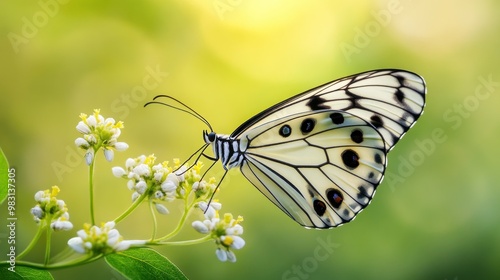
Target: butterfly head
209 137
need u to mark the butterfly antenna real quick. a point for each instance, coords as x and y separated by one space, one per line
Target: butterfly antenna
183 107
186 109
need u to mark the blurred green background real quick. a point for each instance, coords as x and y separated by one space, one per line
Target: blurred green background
435 216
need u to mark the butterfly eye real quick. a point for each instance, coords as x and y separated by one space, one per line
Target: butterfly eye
211 136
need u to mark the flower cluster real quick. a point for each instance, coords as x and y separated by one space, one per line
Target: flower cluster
51 209
99 133
226 231
100 240
160 182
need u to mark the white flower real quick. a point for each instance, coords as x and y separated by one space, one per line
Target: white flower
221 254
142 170
61 224
135 196
89 156
91 121
37 213
141 187
225 255
118 171
209 210
130 184
58 216
129 163
77 244
235 230
121 146
174 179
161 208
181 171
168 186
109 154
39 196
226 232
82 143
100 240
82 128
231 256
99 133
233 241
200 227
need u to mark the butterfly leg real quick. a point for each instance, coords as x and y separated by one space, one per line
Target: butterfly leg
201 150
215 190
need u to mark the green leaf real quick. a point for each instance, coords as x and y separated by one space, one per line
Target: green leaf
4 176
144 263
23 273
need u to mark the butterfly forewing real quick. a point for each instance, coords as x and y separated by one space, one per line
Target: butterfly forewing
321 168
391 100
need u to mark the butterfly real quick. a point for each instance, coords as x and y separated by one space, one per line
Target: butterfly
320 155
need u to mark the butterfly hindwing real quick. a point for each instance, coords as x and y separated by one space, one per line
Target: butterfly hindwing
321 167
391 100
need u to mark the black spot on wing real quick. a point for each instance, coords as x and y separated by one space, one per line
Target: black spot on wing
400 96
376 121
362 192
357 136
307 125
285 130
335 197
337 118
319 207
317 103
350 158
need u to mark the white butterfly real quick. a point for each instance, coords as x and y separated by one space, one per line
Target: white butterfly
320 155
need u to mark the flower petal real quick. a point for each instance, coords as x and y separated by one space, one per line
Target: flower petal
118 171
76 243
200 227
221 254
82 128
161 208
89 157
238 242
109 154
231 256
121 146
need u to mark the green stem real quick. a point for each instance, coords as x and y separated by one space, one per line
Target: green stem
155 223
131 208
177 229
183 243
85 259
91 188
47 246
33 241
